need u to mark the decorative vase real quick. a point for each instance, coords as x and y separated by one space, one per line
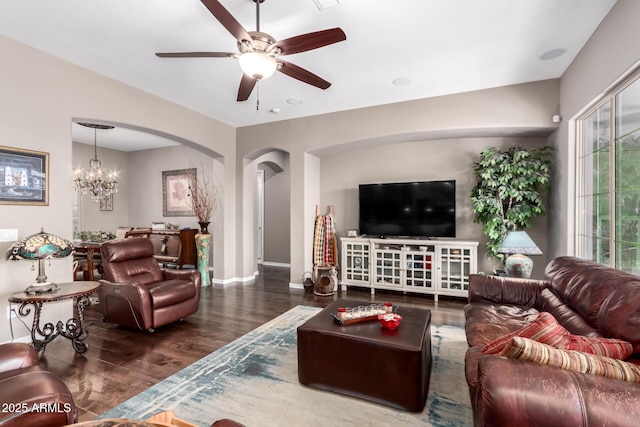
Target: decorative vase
519 265
203 245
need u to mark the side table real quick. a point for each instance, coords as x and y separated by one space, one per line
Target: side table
72 329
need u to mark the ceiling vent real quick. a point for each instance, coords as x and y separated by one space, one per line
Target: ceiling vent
325 4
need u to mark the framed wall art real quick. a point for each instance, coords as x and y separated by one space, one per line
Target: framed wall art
175 192
24 177
106 203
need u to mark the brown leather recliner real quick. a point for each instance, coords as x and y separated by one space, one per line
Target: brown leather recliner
137 293
29 393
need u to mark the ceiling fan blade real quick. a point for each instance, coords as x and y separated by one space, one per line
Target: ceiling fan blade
196 55
246 87
303 75
310 41
227 20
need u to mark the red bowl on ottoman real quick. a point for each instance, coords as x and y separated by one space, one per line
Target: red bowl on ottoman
390 321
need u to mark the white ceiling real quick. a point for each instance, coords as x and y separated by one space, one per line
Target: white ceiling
440 46
119 138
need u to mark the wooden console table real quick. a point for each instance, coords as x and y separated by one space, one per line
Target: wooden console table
72 329
175 246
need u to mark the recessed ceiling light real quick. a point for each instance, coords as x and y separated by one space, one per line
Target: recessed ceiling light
401 81
552 54
293 101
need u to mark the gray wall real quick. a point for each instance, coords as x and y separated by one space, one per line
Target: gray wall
43 97
525 109
420 161
146 167
611 52
276 216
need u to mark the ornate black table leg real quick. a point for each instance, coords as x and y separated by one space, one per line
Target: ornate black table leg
74 328
47 332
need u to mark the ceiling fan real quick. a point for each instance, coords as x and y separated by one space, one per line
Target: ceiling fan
260 53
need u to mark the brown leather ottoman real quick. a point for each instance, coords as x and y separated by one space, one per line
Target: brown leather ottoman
365 361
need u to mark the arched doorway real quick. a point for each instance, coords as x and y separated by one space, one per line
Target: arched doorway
269 202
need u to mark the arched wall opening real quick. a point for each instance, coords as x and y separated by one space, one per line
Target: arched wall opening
517 111
140 178
277 242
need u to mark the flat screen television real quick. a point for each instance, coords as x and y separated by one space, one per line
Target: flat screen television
414 209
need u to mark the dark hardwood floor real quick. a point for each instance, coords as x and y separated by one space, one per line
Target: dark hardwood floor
121 362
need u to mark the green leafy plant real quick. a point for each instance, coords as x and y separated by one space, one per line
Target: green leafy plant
506 196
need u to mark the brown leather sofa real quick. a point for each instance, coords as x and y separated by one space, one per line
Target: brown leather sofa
137 293
587 299
30 395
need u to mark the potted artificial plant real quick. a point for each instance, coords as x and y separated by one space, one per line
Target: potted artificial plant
507 196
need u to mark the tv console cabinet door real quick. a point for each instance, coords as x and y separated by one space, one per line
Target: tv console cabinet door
356 263
456 263
388 268
418 273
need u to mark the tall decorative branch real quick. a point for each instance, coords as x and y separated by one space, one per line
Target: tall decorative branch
203 196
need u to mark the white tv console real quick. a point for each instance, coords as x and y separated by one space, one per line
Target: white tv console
437 267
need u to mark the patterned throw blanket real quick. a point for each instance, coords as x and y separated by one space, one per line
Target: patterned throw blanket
325 247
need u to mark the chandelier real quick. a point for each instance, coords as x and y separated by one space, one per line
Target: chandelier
94 181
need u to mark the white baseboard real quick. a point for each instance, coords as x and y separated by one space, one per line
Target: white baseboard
234 280
276 264
293 285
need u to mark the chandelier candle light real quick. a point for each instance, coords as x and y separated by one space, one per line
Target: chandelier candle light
95 181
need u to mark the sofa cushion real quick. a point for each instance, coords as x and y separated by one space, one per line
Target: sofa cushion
619 316
526 349
485 321
565 315
516 393
544 329
170 292
585 285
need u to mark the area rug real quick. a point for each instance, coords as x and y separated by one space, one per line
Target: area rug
254 380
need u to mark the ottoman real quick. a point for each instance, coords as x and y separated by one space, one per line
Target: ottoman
365 361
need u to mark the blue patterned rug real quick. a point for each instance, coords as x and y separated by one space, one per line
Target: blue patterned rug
254 380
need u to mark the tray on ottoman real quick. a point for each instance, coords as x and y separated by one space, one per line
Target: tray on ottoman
365 361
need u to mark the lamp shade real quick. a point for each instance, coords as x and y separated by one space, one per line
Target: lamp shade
519 242
38 247
41 245
258 65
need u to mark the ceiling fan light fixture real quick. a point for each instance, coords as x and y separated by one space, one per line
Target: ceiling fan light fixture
258 65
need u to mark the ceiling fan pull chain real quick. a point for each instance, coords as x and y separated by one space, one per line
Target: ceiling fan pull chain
258 95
